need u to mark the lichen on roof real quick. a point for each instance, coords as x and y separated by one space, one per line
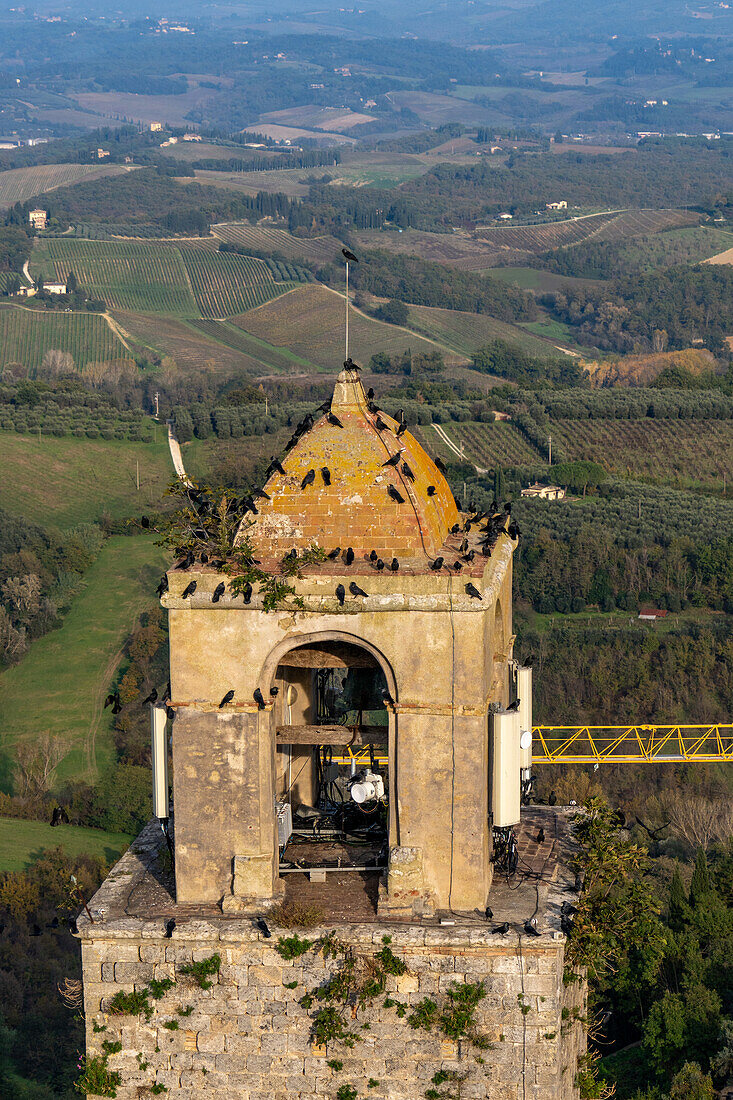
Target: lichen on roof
338 489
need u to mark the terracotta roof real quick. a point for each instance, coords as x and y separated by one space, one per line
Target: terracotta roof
356 508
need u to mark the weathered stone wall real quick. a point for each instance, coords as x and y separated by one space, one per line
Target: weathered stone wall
248 1037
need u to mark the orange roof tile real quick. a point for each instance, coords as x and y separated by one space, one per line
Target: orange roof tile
356 508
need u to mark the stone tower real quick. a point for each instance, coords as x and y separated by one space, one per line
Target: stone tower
381 625
443 654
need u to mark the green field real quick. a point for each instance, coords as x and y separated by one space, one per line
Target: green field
686 454
63 481
310 322
127 274
19 184
22 841
224 283
26 335
280 359
485 445
59 687
465 332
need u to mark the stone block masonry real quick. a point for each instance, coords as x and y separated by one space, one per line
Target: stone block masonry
248 1037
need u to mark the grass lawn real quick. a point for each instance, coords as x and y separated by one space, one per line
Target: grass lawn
22 841
60 685
64 481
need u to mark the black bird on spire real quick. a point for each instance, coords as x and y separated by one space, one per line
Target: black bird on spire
309 478
334 420
326 475
189 590
431 490
393 461
394 565
218 592
349 556
227 699
333 554
347 255
380 425
441 465
407 471
356 591
395 494
340 594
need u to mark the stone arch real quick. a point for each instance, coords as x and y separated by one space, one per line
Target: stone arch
294 641
498 651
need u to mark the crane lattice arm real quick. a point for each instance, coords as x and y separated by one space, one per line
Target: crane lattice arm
631 744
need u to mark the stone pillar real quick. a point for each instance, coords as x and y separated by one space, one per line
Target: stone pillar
223 798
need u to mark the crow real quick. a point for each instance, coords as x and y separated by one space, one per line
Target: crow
163 586
188 560
349 256
326 475
292 554
116 706
247 592
473 592
458 566
170 713
530 927
370 392
152 697
489 913
441 465
218 592
204 557
513 707
431 490
333 554
464 546
455 528
437 564
59 816
144 521
552 800
169 927
227 699
189 590
351 365
541 836
508 508
380 425
407 471
340 594
356 591
513 530
395 494
349 556
373 407
276 464
402 428
262 924
373 555
259 698
501 929
309 478
274 691
394 565
334 420
109 701
379 564
394 460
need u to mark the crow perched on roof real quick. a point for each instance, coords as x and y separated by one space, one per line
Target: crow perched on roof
349 556
151 698
259 698
333 554
431 490
340 594
247 592
326 475
472 591
227 699
309 478
189 590
381 425
334 420
276 464
395 494
218 592
356 591
437 564
407 471
393 460
394 565
163 586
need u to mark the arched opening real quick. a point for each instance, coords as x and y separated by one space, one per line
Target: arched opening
333 726
498 647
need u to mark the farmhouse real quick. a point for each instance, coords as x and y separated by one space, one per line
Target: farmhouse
561 205
544 492
55 288
38 218
155 127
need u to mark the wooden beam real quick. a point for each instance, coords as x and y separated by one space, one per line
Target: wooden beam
331 735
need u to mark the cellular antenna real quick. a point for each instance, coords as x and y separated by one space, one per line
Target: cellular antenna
350 258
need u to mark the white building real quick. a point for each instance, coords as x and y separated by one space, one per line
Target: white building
544 492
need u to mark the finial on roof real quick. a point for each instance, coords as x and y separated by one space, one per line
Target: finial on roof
348 391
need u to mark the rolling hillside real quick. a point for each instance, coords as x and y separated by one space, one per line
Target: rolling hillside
26 335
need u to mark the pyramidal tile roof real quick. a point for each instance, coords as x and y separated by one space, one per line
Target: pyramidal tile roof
338 491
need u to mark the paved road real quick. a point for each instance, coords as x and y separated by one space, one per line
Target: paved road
176 456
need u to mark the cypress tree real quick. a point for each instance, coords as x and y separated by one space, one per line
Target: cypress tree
677 907
700 878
